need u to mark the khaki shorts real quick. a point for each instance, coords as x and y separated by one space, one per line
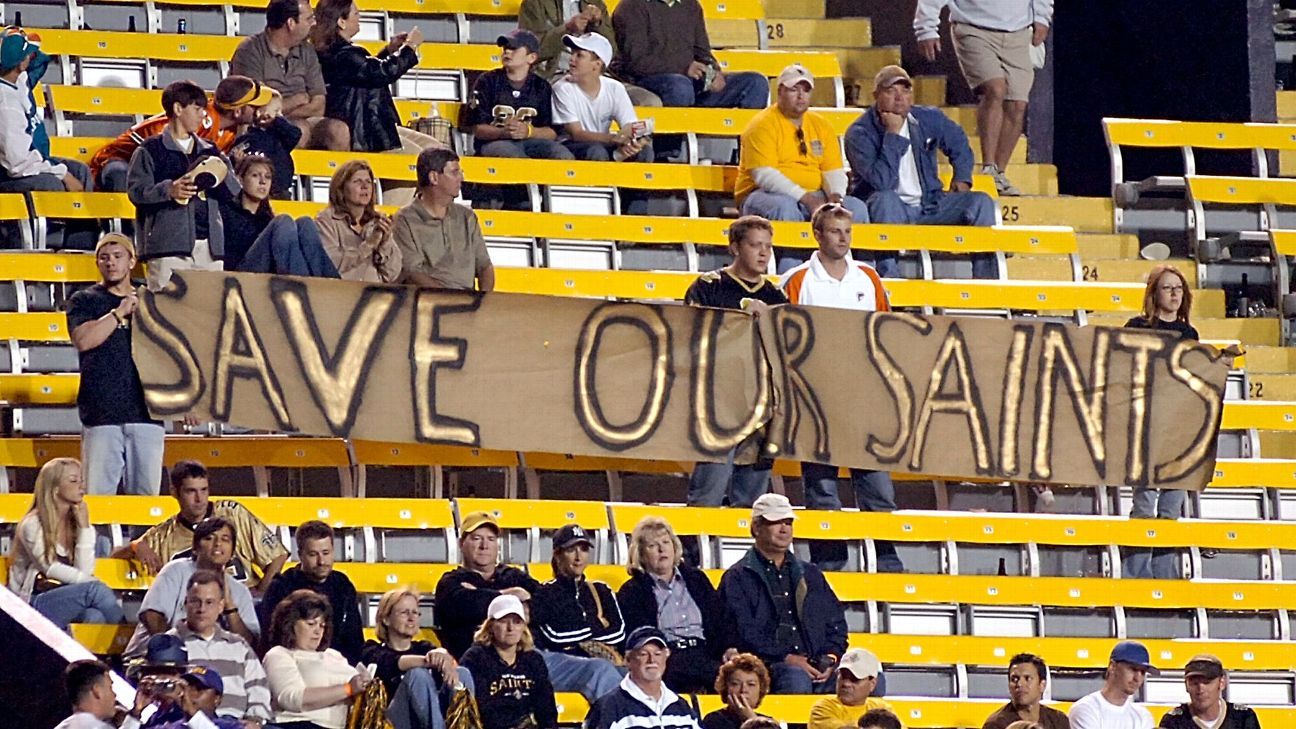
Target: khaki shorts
985 55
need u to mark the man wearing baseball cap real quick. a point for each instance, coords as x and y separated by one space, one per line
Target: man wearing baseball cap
781 608
464 593
892 152
857 679
790 161
642 698
1206 681
511 108
586 102
196 703
1113 706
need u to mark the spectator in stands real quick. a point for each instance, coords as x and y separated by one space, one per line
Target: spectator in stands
857 680
678 599
781 608
25 161
315 550
52 558
201 692
1027 681
175 230
1206 681
643 698
884 719
164 603
764 722
464 594
834 279
257 240
577 622
310 682
892 153
664 48
515 689
996 44
272 136
283 58
550 20
585 103
511 108
119 440
235 105
415 672
790 161
742 683
246 695
257 548
1167 304
359 85
88 684
1113 705
440 241
740 285
357 236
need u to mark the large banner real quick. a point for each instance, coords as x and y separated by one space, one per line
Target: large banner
950 396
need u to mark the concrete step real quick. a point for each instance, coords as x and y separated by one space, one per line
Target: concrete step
795 8
1286 102
862 64
1018 155
928 91
1277 444
1132 271
1271 385
1251 332
791 32
1270 360
1098 246
1085 214
1039 268
1031 179
1208 303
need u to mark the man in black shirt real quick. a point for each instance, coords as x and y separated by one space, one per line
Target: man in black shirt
1206 681
119 441
511 110
464 593
315 550
740 285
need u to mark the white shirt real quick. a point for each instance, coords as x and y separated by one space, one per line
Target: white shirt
570 104
811 285
17 123
1095 712
909 188
293 671
1006 15
167 594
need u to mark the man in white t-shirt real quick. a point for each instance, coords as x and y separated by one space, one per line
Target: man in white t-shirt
585 103
1113 706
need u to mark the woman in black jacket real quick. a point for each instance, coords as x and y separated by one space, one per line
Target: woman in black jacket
514 691
358 85
677 599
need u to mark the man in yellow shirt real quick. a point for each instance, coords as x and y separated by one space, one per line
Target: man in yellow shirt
857 678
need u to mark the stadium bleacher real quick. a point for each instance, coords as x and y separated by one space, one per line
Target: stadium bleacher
982 585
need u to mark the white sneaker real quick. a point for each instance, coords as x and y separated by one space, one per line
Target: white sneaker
1002 183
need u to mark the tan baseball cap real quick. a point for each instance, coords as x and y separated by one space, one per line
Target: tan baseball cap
772 507
795 74
890 76
861 663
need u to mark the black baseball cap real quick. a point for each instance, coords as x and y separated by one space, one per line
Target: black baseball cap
518 38
569 536
643 635
1205 665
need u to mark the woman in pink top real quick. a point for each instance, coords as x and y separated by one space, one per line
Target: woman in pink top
355 233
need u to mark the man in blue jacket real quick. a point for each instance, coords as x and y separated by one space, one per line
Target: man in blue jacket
781 608
892 153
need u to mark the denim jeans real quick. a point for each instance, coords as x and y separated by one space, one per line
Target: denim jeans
874 491
741 91
112 178
592 677
1158 564
289 247
952 208
712 483
525 148
598 152
130 452
79 602
773 206
417 701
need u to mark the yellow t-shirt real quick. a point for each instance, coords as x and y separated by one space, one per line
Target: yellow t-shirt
770 140
830 713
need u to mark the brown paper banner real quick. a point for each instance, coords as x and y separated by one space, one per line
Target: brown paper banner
957 397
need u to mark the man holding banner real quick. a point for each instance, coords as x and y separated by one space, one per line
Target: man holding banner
832 278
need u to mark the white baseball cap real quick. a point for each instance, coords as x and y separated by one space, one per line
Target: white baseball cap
592 42
505 605
795 74
861 663
772 507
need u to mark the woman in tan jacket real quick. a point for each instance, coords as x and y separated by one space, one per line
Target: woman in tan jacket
355 233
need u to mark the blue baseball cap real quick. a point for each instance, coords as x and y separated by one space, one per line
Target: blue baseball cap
643 635
1135 654
204 677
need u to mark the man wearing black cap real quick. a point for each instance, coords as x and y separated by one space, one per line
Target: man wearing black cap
577 623
464 593
511 108
1113 706
642 698
1206 681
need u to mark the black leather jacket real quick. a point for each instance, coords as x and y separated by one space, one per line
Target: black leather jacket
359 92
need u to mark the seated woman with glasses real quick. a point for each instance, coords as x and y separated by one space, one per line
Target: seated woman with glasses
419 676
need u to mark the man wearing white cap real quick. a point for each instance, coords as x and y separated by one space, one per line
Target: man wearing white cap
857 679
892 152
585 103
781 608
790 160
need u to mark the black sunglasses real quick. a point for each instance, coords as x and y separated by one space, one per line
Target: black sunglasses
801 141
